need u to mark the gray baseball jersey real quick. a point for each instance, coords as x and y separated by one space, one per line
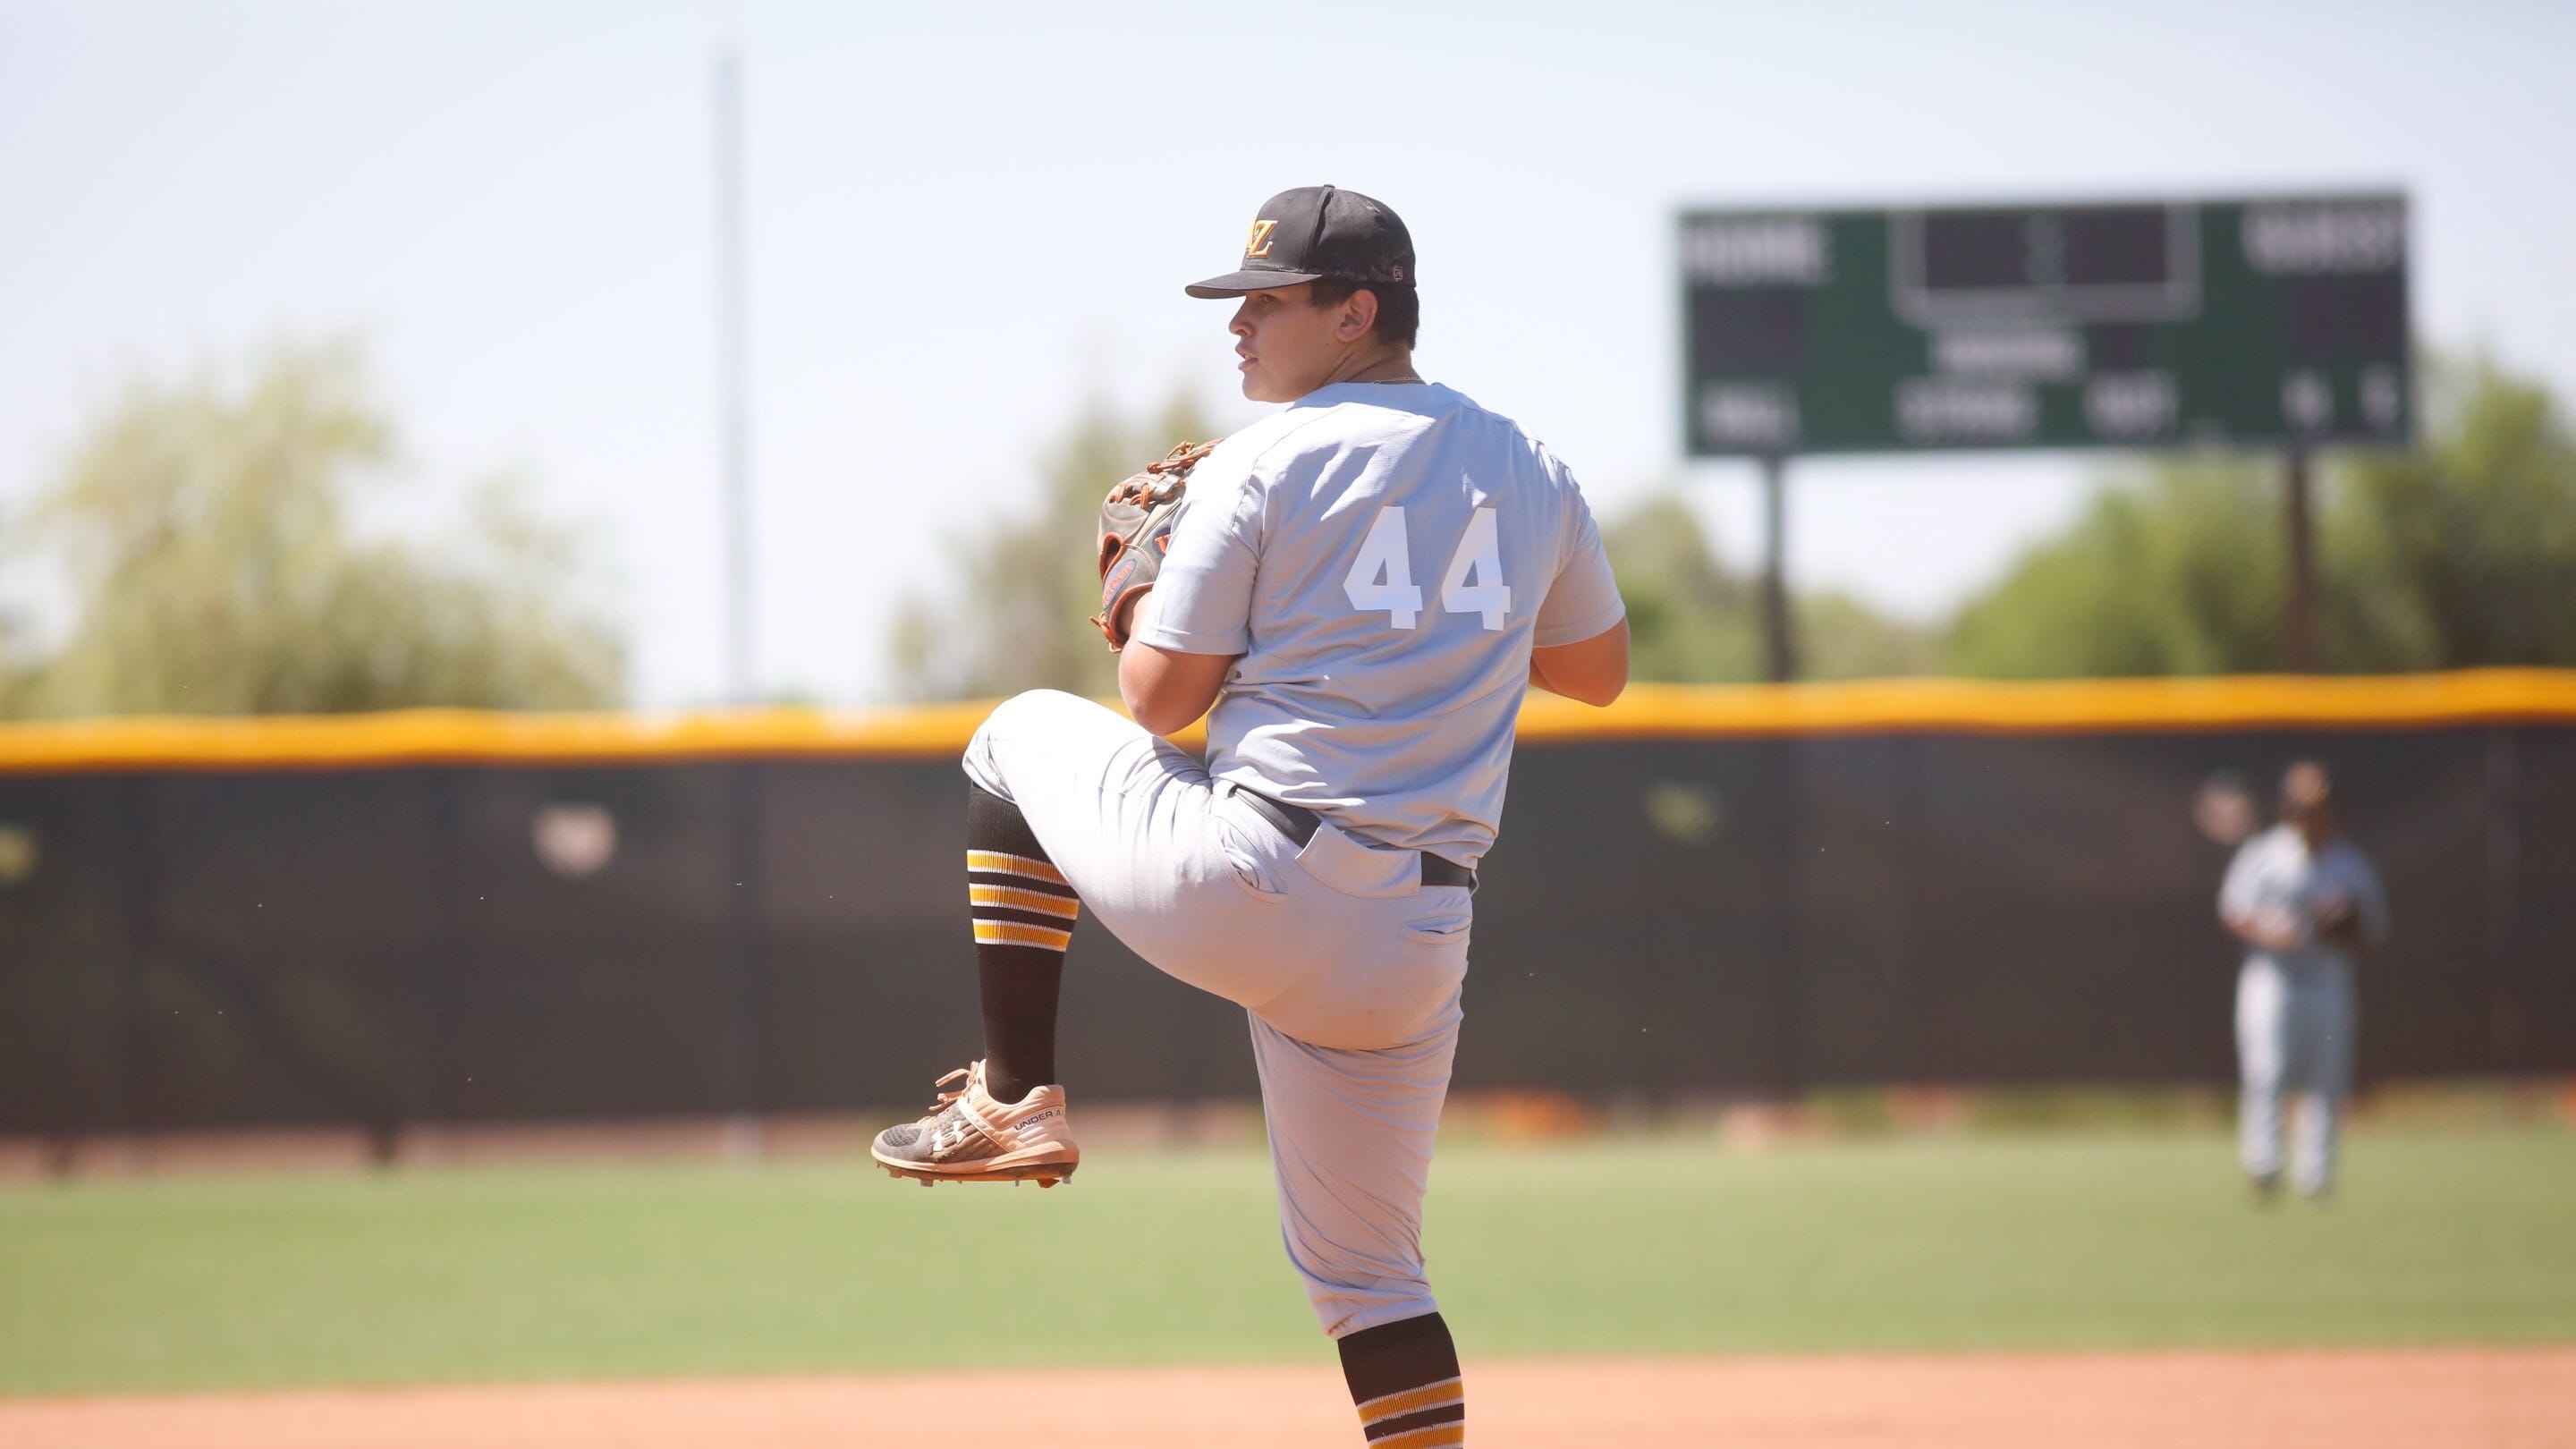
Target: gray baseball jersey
2277 879
1383 556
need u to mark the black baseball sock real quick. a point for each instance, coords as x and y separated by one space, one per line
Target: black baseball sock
1404 1377
1024 914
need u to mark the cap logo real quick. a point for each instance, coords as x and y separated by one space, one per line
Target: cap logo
1258 244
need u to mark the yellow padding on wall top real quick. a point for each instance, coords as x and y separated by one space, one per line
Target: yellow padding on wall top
2062 706
1646 711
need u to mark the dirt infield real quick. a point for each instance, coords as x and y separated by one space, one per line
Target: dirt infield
2455 1399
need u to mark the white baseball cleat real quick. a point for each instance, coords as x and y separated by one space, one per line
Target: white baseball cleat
969 1137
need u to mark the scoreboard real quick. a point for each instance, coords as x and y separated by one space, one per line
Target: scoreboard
2278 321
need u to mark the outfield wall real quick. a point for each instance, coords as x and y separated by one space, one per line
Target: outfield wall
441 917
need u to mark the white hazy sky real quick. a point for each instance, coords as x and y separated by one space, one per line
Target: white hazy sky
966 219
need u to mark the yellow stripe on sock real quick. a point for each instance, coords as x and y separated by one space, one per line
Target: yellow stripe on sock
1012 933
1438 1436
1062 907
1412 1401
1009 864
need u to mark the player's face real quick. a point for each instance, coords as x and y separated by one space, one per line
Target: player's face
2315 824
1288 347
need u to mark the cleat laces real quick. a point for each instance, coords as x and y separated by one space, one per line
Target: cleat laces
947 1120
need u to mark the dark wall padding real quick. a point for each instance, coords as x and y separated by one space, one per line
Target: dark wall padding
386 945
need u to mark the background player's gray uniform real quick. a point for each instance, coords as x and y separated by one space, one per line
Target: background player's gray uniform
1384 557
2295 1011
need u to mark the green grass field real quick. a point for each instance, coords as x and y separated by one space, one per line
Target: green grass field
1624 1246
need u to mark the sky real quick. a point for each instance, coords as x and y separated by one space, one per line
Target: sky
968 222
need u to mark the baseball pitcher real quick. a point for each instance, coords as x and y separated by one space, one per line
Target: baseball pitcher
1362 585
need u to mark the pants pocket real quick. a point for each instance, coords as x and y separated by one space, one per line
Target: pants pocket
1447 927
1245 862
1358 870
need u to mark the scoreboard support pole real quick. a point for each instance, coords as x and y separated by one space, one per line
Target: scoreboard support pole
1779 647
2299 601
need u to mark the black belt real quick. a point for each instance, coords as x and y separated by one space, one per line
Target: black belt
1298 824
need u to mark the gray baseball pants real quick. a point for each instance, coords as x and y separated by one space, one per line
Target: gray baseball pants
2294 1036
1348 966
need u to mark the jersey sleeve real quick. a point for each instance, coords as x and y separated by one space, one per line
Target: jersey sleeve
2236 901
1202 601
1583 599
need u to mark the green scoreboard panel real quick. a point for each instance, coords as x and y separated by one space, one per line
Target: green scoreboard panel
2277 320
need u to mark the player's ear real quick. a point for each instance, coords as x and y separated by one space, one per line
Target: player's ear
1359 314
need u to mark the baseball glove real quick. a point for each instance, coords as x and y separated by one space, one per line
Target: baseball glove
1135 532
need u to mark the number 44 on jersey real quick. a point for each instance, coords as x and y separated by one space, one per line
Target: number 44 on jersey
1382 576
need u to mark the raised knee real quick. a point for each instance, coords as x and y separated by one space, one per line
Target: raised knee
1035 699
1012 716
1020 709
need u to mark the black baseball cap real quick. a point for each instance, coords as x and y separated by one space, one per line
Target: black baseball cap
1316 232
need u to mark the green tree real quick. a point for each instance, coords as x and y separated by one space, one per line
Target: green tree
2459 552
17 640
2175 571
17 666
2462 553
1030 583
1841 637
1691 619
206 529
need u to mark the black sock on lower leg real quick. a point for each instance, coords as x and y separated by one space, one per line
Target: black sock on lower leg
1024 914
1020 987
1404 1378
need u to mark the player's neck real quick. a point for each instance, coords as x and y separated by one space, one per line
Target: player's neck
1393 364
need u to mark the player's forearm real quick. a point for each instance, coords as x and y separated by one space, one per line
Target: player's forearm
2262 933
1594 671
1539 679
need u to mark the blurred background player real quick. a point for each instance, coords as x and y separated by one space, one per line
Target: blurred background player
2308 904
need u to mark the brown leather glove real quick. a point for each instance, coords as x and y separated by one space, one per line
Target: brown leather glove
1135 532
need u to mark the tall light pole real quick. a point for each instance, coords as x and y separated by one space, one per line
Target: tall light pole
744 1138
732 363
